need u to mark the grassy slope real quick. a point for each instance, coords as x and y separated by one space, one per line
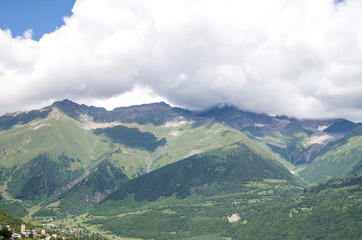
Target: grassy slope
338 160
187 138
56 134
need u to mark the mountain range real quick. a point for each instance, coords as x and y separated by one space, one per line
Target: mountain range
70 161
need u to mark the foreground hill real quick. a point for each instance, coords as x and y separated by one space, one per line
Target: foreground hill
215 172
267 209
193 196
328 211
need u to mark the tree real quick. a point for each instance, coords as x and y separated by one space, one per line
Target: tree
6 233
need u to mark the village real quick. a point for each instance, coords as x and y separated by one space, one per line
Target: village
8 232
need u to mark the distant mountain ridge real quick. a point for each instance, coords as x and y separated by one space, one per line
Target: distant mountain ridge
155 113
159 113
298 141
240 119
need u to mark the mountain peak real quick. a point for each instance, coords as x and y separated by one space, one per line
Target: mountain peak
73 109
341 126
145 106
65 102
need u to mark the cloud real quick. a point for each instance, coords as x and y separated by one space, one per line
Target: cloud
300 58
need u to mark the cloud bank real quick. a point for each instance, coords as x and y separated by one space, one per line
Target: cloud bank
300 58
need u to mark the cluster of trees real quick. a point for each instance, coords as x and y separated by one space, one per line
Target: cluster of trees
337 183
105 178
5 233
42 176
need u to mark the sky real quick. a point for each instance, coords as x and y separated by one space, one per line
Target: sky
300 58
41 16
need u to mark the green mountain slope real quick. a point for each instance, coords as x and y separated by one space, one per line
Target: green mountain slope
339 159
57 134
43 158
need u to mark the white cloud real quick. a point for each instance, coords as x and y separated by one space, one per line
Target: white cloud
300 58
28 34
138 95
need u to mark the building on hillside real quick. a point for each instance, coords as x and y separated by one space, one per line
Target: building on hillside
16 236
10 228
49 225
43 232
22 228
233 218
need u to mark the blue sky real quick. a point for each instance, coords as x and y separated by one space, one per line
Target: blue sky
43 16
